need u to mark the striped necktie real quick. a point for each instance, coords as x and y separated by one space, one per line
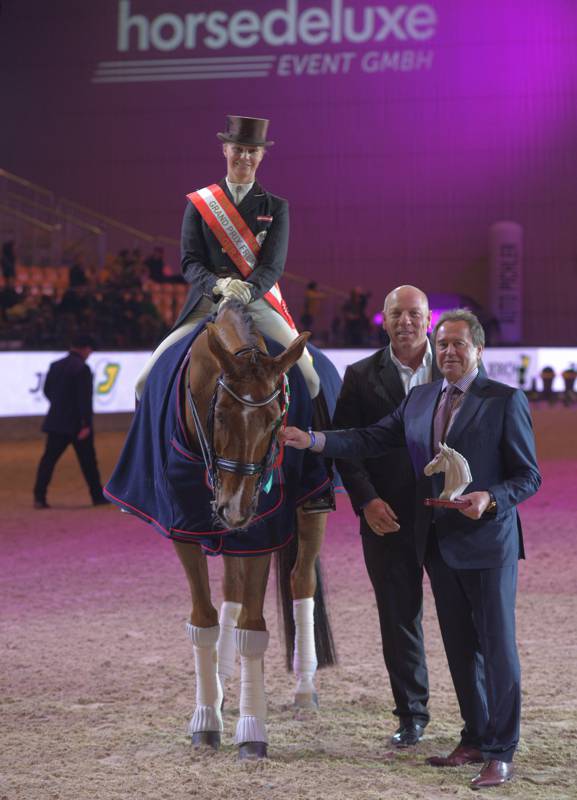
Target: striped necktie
443 414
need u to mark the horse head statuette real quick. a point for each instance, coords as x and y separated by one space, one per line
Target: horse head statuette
456 468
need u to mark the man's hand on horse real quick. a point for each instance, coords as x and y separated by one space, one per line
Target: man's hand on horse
294 437
478 503
380 517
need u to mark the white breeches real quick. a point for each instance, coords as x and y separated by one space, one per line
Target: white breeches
267 321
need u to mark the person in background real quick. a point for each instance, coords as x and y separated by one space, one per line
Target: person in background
9 262
382 493
356 322
155 265
68 387
311 306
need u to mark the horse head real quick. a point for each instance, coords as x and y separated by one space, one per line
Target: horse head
438 463
247 410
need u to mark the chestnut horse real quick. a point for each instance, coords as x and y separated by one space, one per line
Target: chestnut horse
235 404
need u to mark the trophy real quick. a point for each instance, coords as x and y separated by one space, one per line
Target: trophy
457 478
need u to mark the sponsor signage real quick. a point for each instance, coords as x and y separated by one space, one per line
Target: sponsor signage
213 44
115 374
506 279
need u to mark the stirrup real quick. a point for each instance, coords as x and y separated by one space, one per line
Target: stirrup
321 504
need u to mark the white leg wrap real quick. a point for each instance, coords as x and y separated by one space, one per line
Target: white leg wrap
207 716
305 656
251 725
229 613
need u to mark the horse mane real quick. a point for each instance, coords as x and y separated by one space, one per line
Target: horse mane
243 321
234 313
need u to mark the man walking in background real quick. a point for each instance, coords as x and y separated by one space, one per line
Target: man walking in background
68 387
382 493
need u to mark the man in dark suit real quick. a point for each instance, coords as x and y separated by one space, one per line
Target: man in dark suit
382 493
470 554
211 266
68 387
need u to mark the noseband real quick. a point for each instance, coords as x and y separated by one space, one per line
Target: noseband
214 462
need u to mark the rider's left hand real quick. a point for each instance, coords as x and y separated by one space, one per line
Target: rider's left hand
239 290
478 503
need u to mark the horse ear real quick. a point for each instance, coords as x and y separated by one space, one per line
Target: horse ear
284 361
224 357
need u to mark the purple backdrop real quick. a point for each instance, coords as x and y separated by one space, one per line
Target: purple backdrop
402 131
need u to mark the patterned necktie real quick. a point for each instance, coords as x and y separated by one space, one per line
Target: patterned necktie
443 414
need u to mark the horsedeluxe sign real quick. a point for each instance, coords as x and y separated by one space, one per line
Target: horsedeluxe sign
213 44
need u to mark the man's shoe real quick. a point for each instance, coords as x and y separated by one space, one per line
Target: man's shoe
102 501
462 754
41 504
493 773
408 734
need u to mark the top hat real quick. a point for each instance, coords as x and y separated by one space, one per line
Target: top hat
245 130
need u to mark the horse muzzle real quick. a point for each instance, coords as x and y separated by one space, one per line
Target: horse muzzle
230 518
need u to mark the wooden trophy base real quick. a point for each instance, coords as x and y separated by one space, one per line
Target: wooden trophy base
436 502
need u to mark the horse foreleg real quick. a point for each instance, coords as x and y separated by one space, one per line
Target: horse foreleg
252 642
311 532
205 726
229 612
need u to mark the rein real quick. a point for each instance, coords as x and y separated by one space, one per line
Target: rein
212 461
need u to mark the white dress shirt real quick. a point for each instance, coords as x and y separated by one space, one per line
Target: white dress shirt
417 377
239 190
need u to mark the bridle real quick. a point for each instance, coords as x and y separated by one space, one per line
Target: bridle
214 462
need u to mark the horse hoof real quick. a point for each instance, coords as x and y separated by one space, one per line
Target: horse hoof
307 700
252 751
206 739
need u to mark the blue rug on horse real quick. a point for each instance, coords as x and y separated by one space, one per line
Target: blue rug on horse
160 480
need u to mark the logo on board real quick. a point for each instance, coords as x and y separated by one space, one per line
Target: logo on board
292 39
105 381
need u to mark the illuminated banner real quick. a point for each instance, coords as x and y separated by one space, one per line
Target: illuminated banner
22 374
506 279
214 44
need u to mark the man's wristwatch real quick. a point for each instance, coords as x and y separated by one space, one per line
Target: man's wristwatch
492 507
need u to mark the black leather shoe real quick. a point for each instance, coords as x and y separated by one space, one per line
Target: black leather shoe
408 734
41 504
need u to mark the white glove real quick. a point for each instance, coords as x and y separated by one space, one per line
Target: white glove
221 285
239 290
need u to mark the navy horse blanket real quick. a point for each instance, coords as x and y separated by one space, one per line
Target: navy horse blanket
160 480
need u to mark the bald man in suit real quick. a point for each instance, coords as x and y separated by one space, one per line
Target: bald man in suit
382 493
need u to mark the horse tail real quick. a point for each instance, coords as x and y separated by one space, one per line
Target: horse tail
285 560
324 642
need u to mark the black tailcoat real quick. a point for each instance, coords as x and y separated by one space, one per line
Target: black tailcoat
204 260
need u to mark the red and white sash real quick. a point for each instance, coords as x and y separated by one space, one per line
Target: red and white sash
235 237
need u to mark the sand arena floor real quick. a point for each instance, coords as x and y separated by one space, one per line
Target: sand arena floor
97 677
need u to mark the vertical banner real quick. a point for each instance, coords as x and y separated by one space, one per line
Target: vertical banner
506 279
